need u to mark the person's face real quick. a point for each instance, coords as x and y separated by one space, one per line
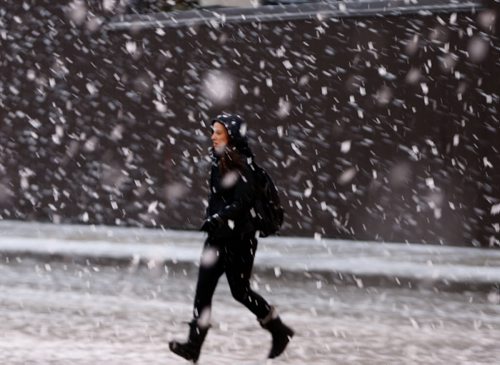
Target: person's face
220 138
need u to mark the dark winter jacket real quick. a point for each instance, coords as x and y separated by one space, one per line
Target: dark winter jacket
232 196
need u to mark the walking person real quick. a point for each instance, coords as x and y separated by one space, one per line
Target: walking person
231 243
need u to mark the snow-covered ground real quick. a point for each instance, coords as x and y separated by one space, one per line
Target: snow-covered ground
66 311
63 313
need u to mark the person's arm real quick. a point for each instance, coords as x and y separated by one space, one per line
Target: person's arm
243 198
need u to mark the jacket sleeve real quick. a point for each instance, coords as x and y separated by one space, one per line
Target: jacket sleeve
244 195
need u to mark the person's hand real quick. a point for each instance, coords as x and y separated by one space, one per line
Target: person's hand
211 224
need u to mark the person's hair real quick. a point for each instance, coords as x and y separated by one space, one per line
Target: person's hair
231 159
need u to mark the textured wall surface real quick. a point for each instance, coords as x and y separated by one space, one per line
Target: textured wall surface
374 127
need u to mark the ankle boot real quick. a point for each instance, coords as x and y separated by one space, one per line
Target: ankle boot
280 332
190 350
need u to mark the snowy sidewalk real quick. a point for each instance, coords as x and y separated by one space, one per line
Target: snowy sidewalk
338 261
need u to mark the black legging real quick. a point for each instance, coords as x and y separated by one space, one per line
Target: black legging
235 258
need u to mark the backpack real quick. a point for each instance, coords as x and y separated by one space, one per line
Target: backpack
267 212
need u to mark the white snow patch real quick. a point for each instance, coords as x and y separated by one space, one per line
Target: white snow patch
208 257
288 65
345 146
77 11
425 88
296 149
131 47
347 176
92 89
160 107
230 179
478 49
495 209
487 163
152 207
218 87
430 183
284 108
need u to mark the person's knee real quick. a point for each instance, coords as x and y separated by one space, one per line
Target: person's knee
239 293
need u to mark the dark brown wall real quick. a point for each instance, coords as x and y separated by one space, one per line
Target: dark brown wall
416 98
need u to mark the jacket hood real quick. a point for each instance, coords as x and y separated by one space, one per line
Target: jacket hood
236 128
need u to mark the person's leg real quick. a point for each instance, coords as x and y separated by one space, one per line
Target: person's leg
211 269
239 264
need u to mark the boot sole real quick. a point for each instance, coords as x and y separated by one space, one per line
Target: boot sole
289 338
175 349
